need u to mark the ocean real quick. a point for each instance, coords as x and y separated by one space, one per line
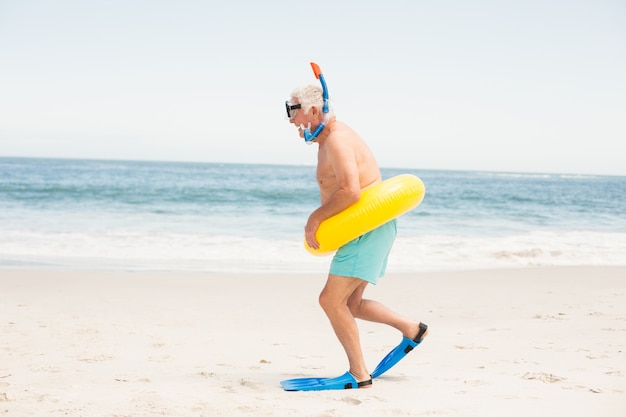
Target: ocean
211 217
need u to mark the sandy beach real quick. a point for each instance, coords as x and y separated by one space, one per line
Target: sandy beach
523 342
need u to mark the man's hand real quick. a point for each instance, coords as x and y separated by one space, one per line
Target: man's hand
309 232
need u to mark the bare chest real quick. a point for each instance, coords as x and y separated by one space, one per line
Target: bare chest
326 179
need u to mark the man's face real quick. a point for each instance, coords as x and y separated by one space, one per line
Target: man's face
297 116
292 107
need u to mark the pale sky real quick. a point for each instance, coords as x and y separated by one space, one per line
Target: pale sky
524 86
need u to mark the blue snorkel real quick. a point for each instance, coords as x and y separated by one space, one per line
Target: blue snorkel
308 136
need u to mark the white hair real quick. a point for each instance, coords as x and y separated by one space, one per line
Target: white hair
311 95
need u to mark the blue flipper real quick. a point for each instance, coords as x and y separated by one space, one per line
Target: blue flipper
399 352
345 381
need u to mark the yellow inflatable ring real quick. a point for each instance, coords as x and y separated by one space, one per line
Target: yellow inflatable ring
378 205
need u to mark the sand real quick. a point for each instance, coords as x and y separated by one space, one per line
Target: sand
526 342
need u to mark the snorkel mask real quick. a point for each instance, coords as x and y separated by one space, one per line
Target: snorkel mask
292 108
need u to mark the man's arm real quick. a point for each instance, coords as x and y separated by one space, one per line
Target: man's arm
342 159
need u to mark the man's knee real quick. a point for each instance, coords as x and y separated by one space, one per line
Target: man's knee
354 304
333 296
327 301
335 293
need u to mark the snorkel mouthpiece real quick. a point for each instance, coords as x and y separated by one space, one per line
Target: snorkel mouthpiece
306 131
308 136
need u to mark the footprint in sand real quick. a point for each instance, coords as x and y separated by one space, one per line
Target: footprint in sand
543 377
470 347
352 401
249 384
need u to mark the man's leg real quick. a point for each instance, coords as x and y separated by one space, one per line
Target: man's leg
334 301
376 312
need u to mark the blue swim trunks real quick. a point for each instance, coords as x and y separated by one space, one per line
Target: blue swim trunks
366 257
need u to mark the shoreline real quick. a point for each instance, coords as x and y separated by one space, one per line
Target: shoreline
321 271
533 340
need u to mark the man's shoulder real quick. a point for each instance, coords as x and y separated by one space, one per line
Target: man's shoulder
341 131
